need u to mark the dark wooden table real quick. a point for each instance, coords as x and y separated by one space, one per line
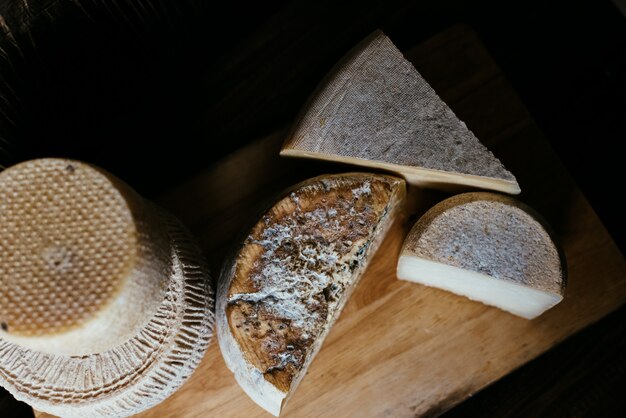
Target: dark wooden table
447 347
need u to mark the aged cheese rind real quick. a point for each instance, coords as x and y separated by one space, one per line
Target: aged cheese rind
293 274
375 110
490 248
139 372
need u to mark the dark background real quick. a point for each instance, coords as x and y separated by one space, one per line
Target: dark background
144 88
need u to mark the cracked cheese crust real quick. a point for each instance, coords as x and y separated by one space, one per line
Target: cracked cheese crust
295 272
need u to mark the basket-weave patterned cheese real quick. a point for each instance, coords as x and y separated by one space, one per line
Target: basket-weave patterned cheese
105 303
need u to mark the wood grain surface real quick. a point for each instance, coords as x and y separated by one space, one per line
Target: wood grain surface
400 349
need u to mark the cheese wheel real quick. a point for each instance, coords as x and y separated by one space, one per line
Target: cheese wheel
105 302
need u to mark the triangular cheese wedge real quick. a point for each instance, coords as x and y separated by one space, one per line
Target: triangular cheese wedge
375 110
295 271
489 248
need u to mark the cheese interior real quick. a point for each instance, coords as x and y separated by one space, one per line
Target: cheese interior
507 295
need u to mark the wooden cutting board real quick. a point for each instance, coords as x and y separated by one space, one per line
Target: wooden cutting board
401 349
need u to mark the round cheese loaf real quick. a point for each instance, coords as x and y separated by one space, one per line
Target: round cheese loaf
105 303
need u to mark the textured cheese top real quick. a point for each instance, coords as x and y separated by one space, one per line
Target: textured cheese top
299 264
375 106
490 234
67 241
105 302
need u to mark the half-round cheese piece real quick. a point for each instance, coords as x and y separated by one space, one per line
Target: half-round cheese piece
489 248
105 303
375 110
293 274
